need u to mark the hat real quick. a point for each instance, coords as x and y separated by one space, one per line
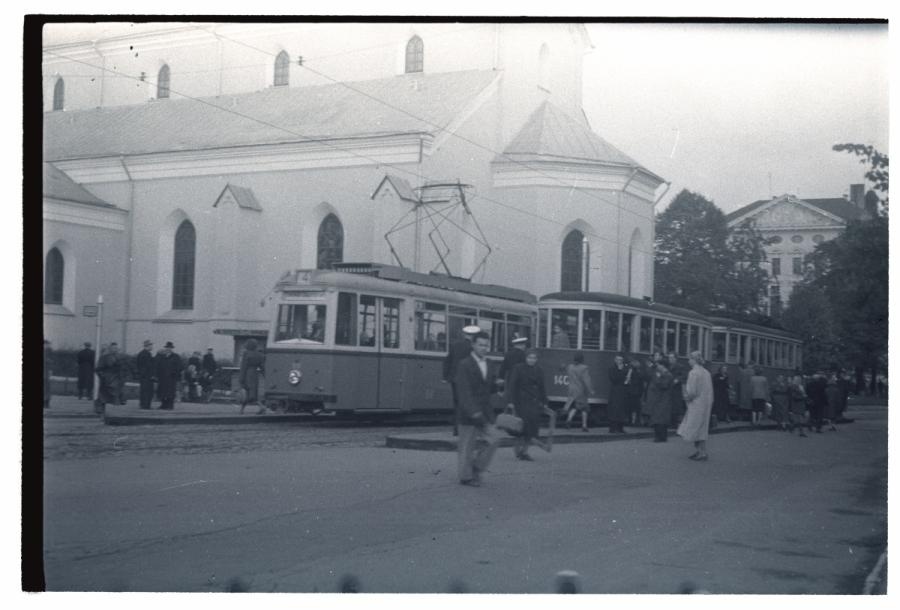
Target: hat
169 344
471 330
148 343
520 340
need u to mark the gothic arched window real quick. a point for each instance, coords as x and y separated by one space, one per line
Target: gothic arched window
415 55
162 83
183 266
59 94
282 69
572 261
330 243
54 272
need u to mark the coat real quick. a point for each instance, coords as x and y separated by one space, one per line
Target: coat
720 393
580 387
168 371
616 410
145 365
745 400
698 394
634 389
676 390
525 391
833 400
474 392
458 350
209 363
510 360
781 400
659 405
85 359
252 364
759 388
109 369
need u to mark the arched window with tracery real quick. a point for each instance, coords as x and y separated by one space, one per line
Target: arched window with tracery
162 82
330 248
282 69
183 266
54 274
59 94
572 261
415 55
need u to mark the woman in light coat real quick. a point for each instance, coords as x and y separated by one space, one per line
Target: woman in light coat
580 388
698 394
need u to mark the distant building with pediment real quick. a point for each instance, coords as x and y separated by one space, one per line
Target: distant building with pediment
796 227
222 155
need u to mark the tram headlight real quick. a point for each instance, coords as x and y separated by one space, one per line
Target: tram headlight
294 376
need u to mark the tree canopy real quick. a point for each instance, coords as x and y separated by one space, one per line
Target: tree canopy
703 265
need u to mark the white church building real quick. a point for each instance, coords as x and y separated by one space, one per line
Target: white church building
187 166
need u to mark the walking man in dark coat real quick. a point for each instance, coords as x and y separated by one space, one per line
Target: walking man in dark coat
85 359
616 409
458 350
168 372
679 377
474 383
818 399
515 355
109 370
208 373
146 372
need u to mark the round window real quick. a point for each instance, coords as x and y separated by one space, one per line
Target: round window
797 239
818 239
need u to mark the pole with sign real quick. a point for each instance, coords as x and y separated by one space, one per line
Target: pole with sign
99 326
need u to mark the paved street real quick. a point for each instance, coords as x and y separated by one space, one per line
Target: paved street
293 509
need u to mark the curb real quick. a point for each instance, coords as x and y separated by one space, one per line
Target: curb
168 419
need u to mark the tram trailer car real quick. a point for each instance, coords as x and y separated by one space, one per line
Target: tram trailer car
602 325
365 339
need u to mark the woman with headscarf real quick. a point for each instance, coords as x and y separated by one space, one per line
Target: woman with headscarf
525 395
252 365
698 394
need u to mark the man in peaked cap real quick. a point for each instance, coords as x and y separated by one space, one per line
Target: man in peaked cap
146 373
459 349
512 357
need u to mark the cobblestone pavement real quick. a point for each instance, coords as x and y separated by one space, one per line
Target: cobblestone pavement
76 435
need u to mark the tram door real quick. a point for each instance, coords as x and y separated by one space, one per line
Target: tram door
380 328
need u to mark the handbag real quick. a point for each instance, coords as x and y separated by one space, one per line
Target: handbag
512 424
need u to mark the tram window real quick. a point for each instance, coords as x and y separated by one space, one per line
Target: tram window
345 329
733 348
611 331
542 328
468 312
366 321
718 346
431 327
301 324
456 324
390 318
645 344
754 350
742 354
772 346
565 326
627 332
592 322
671 334
694 338
518 326
497 331
682 339
659 335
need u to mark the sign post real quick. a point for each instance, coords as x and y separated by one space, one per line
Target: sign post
99 326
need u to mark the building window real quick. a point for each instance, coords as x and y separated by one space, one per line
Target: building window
162 83
797 263
54 271
777 239
776 266
818 239
775 300
572 263
282 69
183 268
59 94
797 239
330 242
415 55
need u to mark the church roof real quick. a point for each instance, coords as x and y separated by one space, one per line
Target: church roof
838 206
274 115
550 134
57 185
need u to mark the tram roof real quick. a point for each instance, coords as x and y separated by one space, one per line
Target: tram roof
400 275
738 324
618 299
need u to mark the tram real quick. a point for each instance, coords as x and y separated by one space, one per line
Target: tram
602 325
370 339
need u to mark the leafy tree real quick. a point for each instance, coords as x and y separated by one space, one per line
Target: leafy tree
877 173
811 317
704 266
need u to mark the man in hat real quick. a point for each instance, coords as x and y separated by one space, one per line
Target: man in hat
168 370
146 372
458 350
85 359
511 358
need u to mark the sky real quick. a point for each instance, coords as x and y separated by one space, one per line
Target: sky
726 110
